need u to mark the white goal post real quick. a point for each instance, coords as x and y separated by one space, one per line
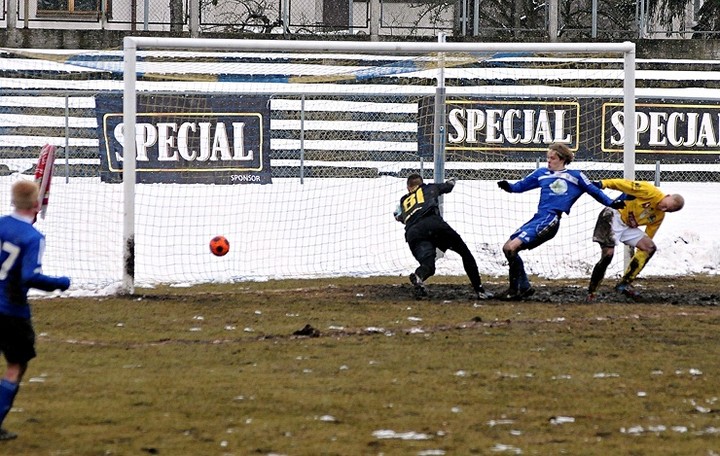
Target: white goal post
429 51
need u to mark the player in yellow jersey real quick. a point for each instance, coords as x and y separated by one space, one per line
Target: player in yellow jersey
646 206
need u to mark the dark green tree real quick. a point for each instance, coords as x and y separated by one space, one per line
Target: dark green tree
708 20
528 19
671 15
667 12
615 19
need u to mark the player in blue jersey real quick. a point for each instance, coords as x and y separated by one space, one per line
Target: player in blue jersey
426 231
559 189
21 249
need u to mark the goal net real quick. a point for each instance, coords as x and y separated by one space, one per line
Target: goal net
298 153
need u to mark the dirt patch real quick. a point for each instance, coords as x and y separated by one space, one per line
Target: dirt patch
693 291
700 290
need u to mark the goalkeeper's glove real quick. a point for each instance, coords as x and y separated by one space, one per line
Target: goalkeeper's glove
618 203
505 185
451 181
397 213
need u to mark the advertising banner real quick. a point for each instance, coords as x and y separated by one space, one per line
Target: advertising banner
666 128
593 128
211 139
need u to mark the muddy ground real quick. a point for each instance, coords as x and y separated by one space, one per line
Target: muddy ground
688 290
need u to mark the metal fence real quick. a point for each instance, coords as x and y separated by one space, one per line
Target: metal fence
499 20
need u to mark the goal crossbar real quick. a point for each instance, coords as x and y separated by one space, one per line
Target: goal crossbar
131 43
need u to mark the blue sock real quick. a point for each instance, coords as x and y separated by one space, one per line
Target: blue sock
8 391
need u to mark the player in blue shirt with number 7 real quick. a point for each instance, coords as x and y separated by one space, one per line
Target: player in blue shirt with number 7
21 250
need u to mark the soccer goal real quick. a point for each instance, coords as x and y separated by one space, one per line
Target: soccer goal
298 151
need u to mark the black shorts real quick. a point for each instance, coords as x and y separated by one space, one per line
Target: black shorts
430 233
17 339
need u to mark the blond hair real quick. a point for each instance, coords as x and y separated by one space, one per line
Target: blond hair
563 152
24 195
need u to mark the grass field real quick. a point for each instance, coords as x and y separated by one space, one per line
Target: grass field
219 370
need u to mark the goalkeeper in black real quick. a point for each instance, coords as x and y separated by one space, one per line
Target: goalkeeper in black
426 231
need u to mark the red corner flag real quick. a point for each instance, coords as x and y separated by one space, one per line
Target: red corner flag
43 175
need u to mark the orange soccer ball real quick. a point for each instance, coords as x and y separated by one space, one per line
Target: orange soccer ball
219 245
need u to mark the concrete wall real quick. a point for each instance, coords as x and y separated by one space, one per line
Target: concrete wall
68 39
679 49
113 39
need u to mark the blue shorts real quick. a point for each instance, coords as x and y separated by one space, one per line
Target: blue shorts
540 229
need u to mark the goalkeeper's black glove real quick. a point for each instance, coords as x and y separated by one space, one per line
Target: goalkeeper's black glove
505 185
618 203
451 181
